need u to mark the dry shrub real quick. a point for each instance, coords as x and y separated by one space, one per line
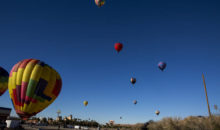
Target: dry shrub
189 123
165 124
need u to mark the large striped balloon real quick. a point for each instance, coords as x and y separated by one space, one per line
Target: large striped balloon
3 80
33 85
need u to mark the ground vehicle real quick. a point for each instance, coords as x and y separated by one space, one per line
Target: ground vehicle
84 128
70 126
77 127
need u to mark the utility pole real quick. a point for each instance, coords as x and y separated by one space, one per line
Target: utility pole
58 113
206 95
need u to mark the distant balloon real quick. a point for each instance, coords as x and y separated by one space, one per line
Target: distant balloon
33 86
3 80
120 117
99 3
135 102
157 112
133 80
162 65
85 103
118 47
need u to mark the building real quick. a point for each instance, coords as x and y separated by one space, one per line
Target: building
13 122
50 120
59 118
70 117
111 122
41 118
32 121
4 113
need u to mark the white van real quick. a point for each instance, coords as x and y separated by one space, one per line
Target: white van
84 128
77 127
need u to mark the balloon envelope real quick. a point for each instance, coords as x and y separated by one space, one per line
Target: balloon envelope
33 85
3 80
157 112
99 3
133 80
135 101
118 47
162 65
85 103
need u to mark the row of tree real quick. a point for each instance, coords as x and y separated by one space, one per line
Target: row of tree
75 121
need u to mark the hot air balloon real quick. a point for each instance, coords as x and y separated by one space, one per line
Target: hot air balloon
162 65
133 80
118 47
99 3
33 85
120 117
157 112
85 103
135 102
3 80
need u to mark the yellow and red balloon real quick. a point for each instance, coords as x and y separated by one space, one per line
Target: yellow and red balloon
33 85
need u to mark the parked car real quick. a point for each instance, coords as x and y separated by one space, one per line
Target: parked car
84 128
70 126
77 127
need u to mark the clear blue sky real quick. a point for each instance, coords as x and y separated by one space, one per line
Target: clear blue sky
77 39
